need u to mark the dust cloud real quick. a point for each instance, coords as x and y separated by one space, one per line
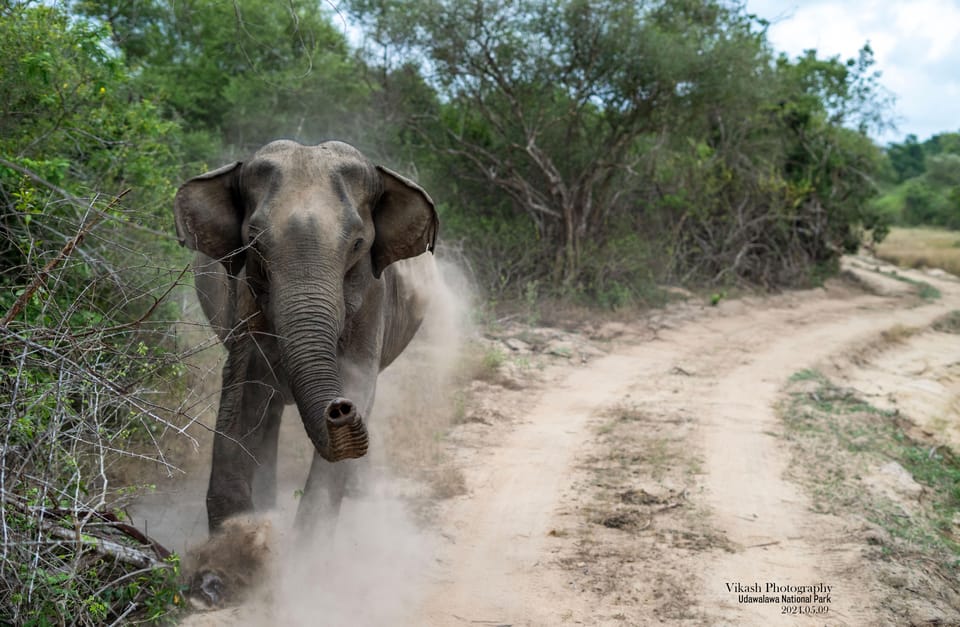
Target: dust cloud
370 566
372 572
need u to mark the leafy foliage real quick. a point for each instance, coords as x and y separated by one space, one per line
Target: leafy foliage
86 172
238 74
926 182
586 120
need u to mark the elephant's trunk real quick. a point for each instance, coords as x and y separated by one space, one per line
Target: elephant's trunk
308 323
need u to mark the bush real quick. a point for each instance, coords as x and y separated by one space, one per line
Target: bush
944 170
86 176
629 134
923 205
622 270
500 247
81 364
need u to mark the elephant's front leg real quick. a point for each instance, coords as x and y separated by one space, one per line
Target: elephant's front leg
245 437
265 474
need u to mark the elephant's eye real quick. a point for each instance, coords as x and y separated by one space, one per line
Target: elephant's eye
254 240
357 244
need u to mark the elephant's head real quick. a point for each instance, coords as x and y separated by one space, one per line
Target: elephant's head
313 227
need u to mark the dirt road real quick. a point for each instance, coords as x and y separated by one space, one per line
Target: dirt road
647 484
767 461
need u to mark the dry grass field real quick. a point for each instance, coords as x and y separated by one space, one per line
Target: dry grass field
922 247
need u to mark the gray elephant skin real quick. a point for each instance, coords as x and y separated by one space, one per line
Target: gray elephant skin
309 267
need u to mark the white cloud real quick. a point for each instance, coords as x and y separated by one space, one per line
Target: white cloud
935 23
916 45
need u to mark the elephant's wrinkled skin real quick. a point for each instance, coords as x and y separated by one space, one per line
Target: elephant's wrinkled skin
296 272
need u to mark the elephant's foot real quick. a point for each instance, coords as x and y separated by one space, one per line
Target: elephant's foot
208 590
348 436
223 570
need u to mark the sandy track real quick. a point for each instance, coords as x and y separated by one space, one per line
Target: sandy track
529 544
721 369
766 517
496 569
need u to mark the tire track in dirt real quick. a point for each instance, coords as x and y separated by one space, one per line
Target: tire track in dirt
499 567
745 460
495 570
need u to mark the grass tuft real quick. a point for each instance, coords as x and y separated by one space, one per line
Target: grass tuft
948 322
838 436
924 289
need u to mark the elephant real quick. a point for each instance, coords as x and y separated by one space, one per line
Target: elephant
310 267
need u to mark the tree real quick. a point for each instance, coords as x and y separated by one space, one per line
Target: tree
238 74
550 102
942 143
928 174
664 135
944 169
907 158
72 126
836 163
921 204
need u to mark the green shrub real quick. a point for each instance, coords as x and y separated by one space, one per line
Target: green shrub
87 170
921 204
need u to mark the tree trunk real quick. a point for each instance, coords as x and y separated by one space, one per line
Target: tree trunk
567 266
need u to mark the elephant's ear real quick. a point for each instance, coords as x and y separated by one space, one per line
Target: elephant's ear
209 216
405 220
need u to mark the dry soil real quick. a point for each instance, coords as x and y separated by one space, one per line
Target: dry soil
637 472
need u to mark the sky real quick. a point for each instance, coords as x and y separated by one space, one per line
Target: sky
916 44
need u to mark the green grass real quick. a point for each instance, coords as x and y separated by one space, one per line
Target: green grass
939 470
807 375
927 291
838 436
924 289
493 359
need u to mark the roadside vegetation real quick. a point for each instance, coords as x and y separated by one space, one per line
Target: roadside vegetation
86 345
636 145
922 185
878 466
920 195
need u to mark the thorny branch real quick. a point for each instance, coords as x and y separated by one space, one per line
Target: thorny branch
89 378
65 252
